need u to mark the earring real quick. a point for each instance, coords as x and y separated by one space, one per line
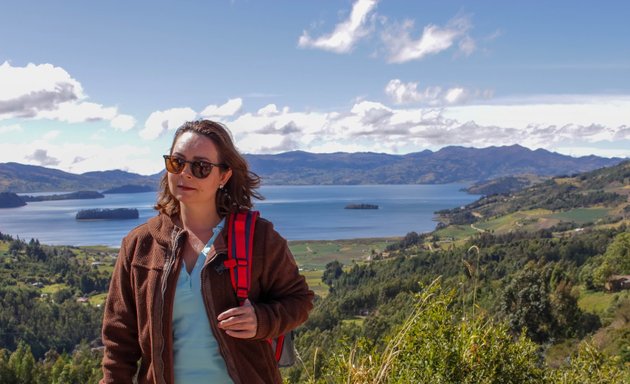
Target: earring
221 186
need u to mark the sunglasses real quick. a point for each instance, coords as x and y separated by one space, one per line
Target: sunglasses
199 168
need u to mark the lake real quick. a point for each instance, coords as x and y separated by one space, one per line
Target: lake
298 213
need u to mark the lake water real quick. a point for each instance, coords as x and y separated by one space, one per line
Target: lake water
298 213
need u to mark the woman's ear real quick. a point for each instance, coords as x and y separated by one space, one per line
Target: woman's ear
225 176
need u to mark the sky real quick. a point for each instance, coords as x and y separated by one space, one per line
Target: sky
87 86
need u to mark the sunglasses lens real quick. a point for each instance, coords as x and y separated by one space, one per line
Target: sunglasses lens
174 165
201 169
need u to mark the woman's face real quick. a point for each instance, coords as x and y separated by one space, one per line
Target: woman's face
188 189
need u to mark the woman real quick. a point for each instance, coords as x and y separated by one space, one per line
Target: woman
172 315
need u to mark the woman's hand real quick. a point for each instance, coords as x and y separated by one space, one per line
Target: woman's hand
239 322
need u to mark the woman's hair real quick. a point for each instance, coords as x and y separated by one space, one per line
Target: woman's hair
240 188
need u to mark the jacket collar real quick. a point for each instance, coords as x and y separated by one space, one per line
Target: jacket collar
162 227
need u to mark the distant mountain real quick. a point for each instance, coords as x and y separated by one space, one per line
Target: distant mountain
448 165
21 178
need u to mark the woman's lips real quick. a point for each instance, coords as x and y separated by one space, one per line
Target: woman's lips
185 188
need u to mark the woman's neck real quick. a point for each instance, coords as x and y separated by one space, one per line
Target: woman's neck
199 221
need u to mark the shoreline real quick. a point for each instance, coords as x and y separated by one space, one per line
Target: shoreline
373 239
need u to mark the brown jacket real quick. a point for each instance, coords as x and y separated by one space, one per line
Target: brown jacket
137 324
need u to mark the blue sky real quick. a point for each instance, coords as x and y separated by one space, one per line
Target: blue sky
92 86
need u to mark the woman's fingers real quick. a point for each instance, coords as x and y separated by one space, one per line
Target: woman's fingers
239 322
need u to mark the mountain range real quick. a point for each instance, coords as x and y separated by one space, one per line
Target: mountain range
448 165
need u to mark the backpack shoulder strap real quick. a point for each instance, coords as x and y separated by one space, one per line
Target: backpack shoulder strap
240 242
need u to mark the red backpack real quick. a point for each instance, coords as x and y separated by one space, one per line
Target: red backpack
240 243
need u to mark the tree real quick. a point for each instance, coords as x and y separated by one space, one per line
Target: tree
333 270
525 304
616 260
569 320
22 363
6 372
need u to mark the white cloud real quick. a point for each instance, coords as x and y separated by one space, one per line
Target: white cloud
374 126
408 93
40 157
346 33
403 93
43 91
396 37
230 108
578 151
26 91
268 110
543 110
160 122
50 135
455 95
10 128
73 112
467 45
435 39
82 157
265 133
123 122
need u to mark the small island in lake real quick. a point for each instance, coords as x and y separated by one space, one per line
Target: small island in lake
129 188
361 206
107 214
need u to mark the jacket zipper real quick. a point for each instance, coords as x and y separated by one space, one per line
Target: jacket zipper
164 283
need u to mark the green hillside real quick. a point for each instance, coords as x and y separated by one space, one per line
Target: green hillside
593 199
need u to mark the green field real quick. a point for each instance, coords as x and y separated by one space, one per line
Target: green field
314 281
599 302
582 215
531 220
52 288
456 232
523 220
98 299
311 255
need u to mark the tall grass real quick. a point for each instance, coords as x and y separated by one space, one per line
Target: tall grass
434 345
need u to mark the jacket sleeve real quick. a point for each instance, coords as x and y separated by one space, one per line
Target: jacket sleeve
120 328
287 300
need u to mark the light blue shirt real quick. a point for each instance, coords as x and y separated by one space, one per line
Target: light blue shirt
196 353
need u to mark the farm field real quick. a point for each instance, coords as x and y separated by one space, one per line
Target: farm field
311 255
581 215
